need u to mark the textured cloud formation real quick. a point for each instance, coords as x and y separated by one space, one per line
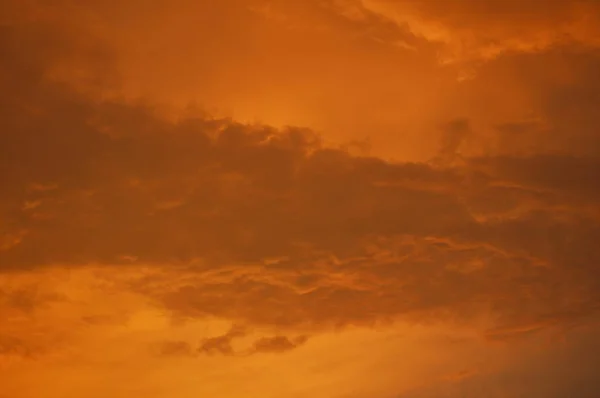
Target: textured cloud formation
225 345
221 344
277 344
122 226
482 30
324 237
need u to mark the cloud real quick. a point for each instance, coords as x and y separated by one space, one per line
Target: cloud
13 346
174 349
470 30
277 344
121 228
221 344
271 227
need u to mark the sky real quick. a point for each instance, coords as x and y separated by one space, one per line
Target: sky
299 198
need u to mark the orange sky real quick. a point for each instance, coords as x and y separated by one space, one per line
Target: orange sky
299 198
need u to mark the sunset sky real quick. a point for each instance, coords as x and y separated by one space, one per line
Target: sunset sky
299 199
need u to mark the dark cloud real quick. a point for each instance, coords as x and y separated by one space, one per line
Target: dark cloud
222 344
13 346
553 174
174 349
115 220
558 116
277 344
272 227
26 299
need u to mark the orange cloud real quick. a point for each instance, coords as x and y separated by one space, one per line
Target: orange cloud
277 344
206 193
221 344
473 31
122 227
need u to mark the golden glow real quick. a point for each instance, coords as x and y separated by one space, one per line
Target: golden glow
316 198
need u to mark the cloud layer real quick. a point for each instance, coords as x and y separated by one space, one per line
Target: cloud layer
296 232
471 30
124 226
